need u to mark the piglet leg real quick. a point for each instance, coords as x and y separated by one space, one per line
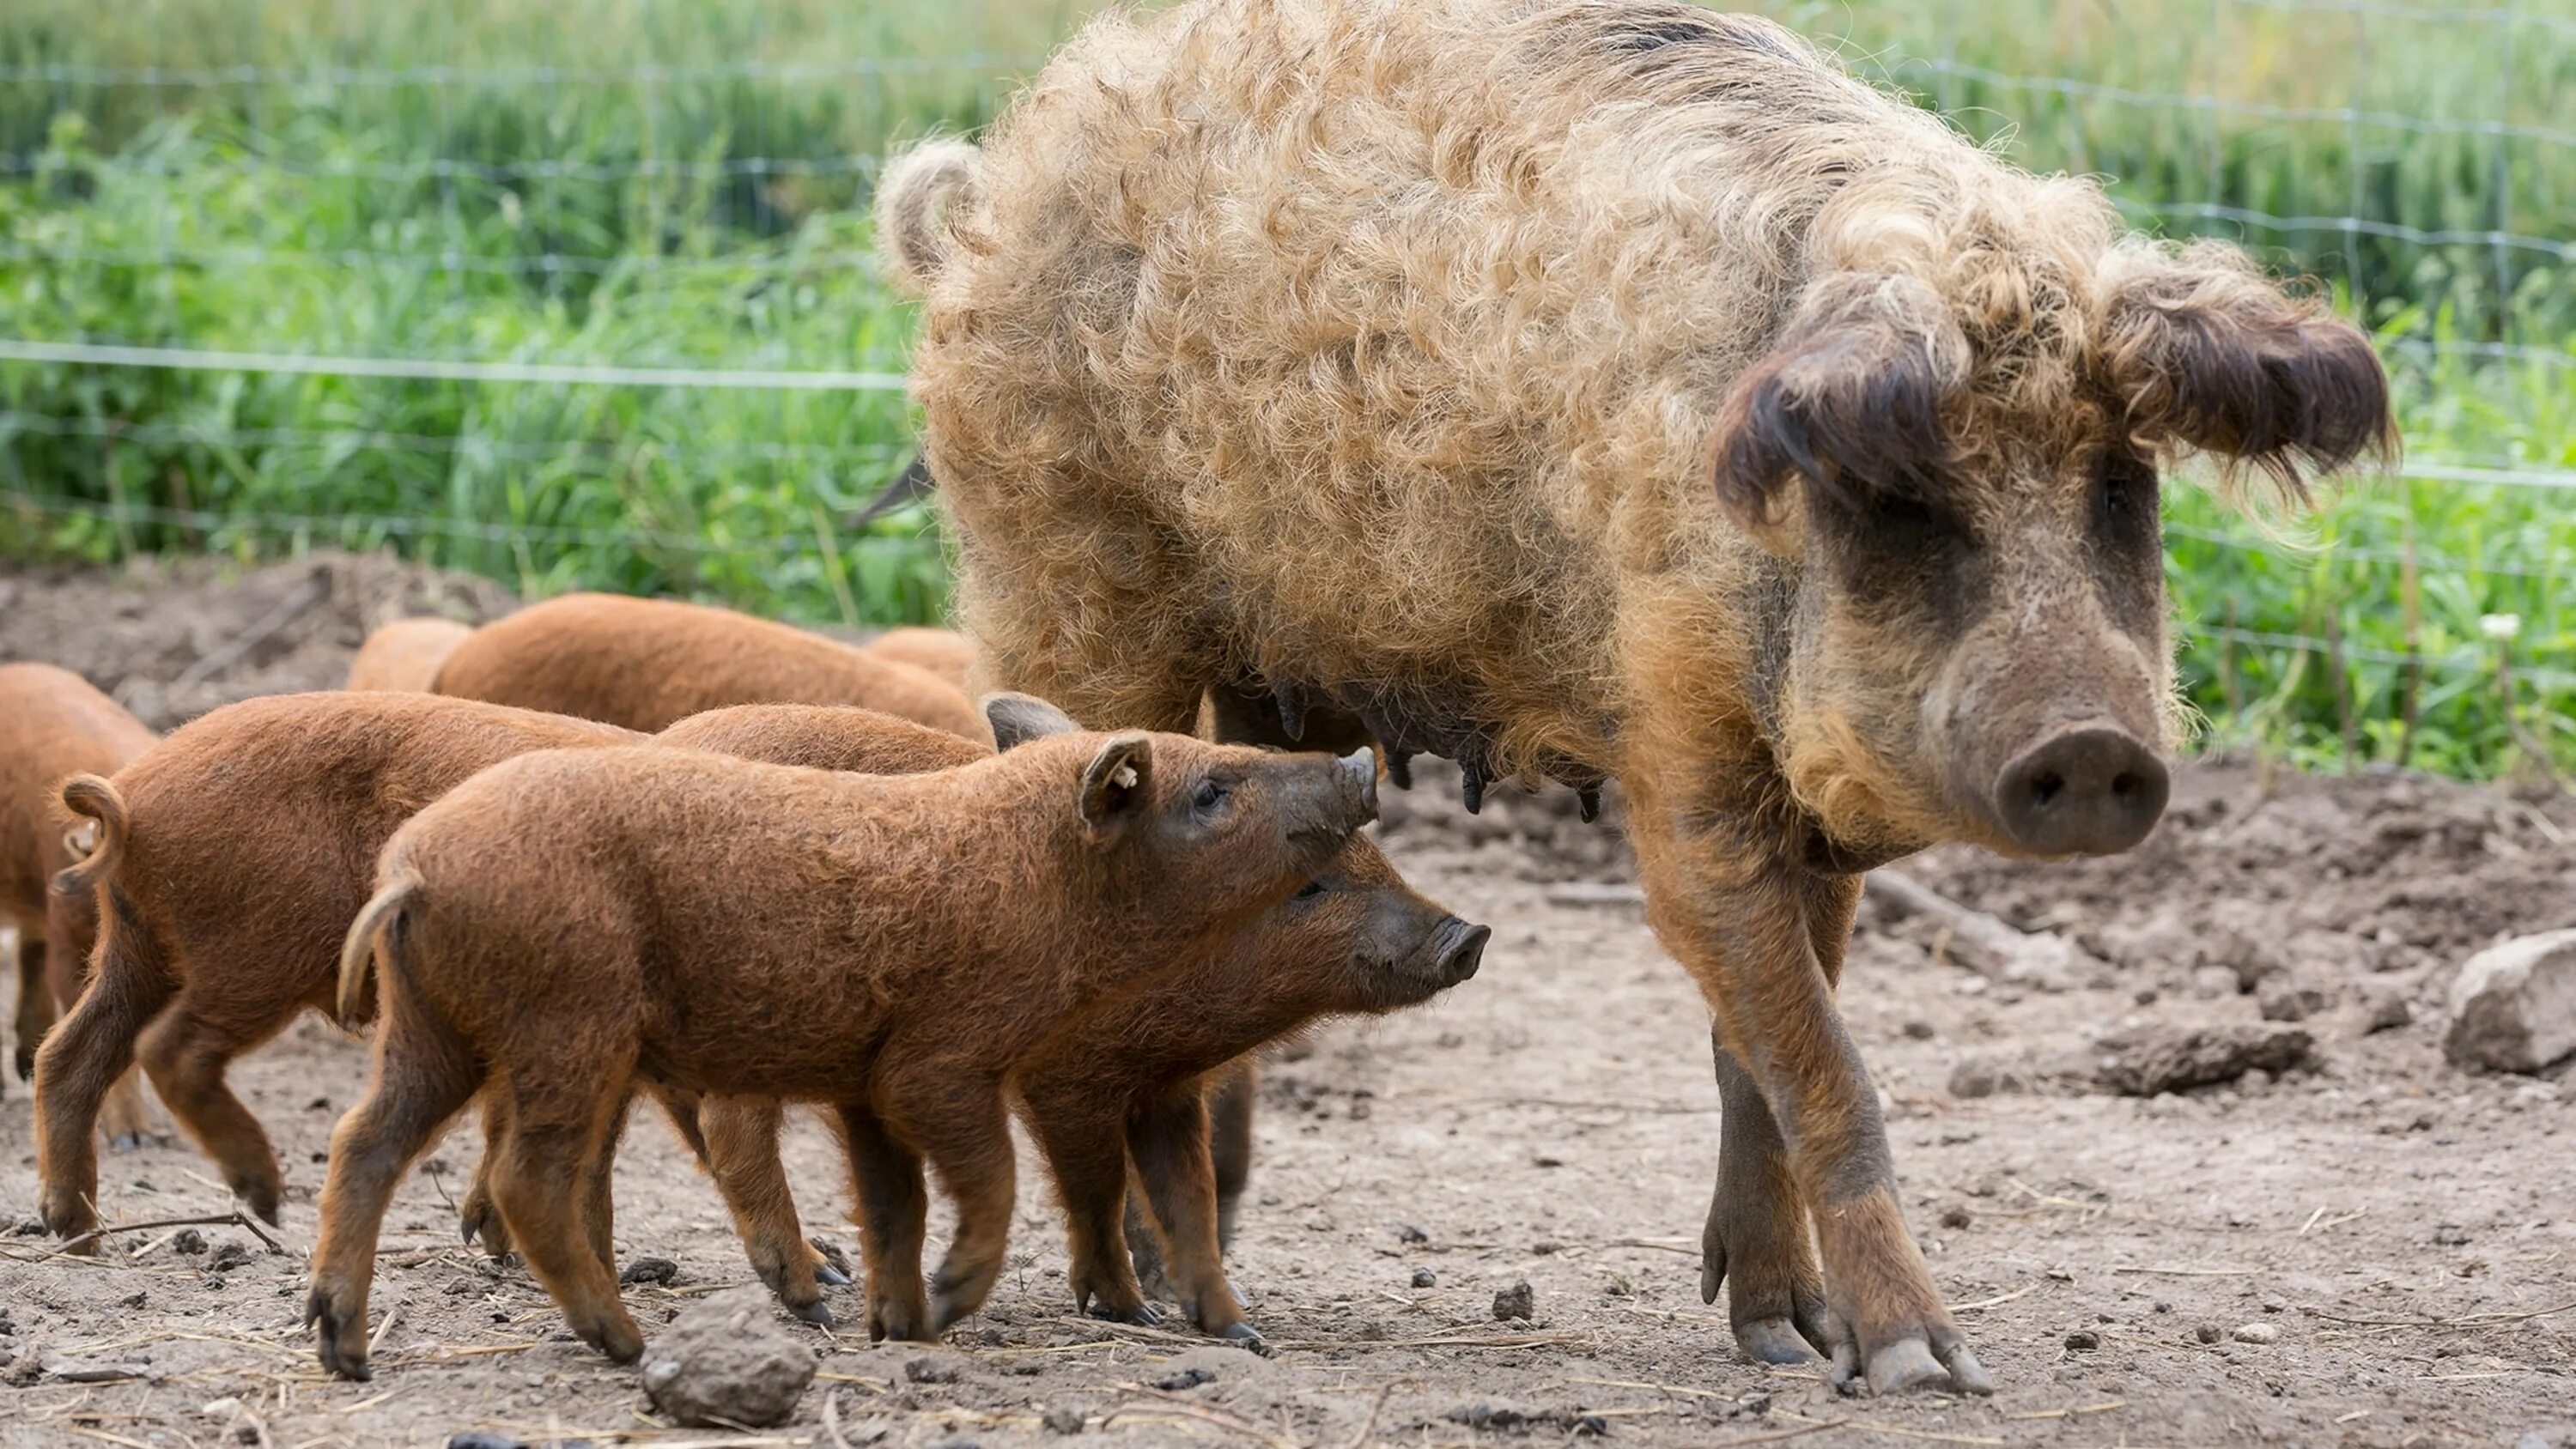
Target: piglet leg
1079 1131
741 1136
543 1183
893 1213
1168 1137
423 1077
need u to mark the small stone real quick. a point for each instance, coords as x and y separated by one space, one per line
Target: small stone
484 1439
726 1362
1970 1080
2212 983
2294 996
2143 1060
2450 1235
927 1370
1918 1030
1408 1233
2144 996
228 1256
1955 1217
2084 1340
2256 1333
2513 1007
1425 1278
649 1270
1517 1301
1489 1414
2386 1010
1061 1421
188 1241
1188 1378
2209 1333
131 1300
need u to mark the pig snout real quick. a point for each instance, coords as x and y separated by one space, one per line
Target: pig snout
1358 772
2085 789
1457 948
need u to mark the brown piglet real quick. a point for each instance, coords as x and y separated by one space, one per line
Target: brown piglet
53 725
406 654
1131 1079
1354 939
569 922
647 663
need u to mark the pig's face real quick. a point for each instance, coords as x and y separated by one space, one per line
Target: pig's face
1199 833
1356 938
1977 645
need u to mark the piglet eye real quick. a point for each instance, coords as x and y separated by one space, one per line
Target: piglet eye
1208 793
1310 888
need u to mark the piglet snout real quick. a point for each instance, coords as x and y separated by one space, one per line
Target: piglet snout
1458 948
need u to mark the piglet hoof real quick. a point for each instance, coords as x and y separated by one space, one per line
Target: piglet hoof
66 1215
342 1344
831 1265
1142 1315
1245 1336
830 1277
817 1312
619 1341
26 1064
128 1141
261 1196
1774 1340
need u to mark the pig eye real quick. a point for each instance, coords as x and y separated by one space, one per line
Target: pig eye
2127 500
1309 889
1207 795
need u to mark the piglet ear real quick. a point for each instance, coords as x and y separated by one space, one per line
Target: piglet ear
1114 784
1848 402
2206 353
1019 718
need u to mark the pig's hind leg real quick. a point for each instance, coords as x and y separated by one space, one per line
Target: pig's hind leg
544 1183
741 1137
186 1052
423 1076
1086 1153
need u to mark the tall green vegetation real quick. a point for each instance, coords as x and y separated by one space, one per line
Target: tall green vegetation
683 183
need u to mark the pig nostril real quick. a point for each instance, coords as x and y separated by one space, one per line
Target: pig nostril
2126 785
2046 788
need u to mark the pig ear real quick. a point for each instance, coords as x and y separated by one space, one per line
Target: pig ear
1019 718
79 840
2205 352
1114 784
1848 402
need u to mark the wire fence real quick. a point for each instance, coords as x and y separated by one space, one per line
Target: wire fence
621 316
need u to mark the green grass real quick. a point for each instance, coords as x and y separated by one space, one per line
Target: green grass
679 182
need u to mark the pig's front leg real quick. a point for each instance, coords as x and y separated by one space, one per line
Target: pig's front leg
1728 901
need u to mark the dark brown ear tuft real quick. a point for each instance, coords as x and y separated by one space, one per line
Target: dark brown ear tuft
2209 354
1848 402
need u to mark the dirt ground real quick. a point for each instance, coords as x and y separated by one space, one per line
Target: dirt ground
2402 1230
